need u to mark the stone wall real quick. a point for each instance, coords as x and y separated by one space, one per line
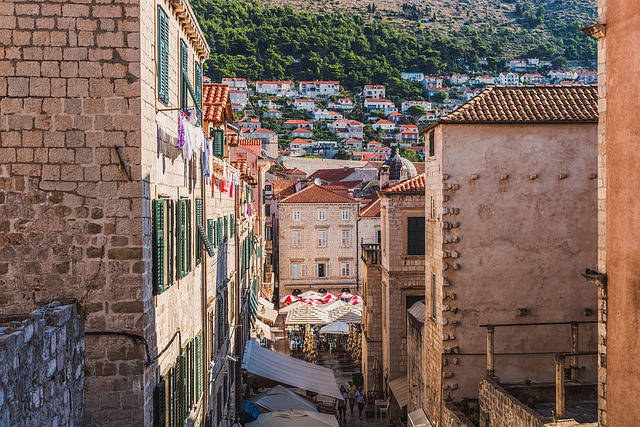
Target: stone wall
453 417
42 368
372 322
503 409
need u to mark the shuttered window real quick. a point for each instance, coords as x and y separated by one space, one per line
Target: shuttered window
163 56
199 379
184 237
186 88
160 404
197 235
219 231
415 235
232 228
198 82
211 233
218 142
226 228
432 144
162 210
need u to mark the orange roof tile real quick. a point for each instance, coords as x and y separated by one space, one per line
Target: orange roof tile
372 210
215 103
284 187
416 185
529 104
316 194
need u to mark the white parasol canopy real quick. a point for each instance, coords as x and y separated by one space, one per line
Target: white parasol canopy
339 328
295 419
280 398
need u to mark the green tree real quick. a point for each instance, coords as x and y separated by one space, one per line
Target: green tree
343 154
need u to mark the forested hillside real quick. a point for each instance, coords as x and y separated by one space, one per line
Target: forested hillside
252 40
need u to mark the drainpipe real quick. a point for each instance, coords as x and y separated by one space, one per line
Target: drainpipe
574 350
560 362
490 351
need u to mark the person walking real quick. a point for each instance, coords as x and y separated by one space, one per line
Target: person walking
351 394
342 405
360 399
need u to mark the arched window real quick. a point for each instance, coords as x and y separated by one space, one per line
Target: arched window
322 291
296 292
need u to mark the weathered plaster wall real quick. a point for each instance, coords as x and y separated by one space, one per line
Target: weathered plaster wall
516 246
42 380
621 237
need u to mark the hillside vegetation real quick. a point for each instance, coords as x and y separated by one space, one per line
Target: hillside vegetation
358 43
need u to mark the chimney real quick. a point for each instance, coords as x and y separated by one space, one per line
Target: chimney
346 168
384 176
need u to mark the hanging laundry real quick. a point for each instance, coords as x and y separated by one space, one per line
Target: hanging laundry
206 154
189 143
181 131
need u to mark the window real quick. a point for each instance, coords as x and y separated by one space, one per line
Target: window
433 208
268 187
226 229
297 271
346 238
183 237
415 235
198 82
378 236
296 215
296 238
322 239
322 215
268 233
267 210
433 296
345 215
432 144
198 224
163 56
322 270
162 245
232 225
345 269
186 89
217 146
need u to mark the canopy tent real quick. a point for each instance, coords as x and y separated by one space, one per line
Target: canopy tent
333 305
266 330
346 313
280 398
288 370
400 389
266 303
418 418
295 419
306 314
339 328
291 307
267 313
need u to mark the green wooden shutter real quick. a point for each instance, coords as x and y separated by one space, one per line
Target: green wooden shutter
183 386
415 235
220 323
163 56
191 373
226 228
181 214
199 379
198 223
198 82
218 142
184 59
158 247
170 243
219 231
232 230
211 232
159 404
188 237
173 397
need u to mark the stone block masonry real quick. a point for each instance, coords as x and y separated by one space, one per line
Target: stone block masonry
42 368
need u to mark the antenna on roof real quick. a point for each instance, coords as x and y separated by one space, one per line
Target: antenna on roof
317 182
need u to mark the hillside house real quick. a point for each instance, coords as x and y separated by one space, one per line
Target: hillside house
273 114
373 91
508 79
559 75
276 88
235 83
532 79
347 128
297 123
376 104
384 125
459 79
432 81
304 104
251 123
395 117
238 98
587 77
345 104
326 115
319 88
413 76
408 104
483 80
302 133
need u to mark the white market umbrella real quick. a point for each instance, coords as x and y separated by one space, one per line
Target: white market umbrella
294 419
339 328
280 398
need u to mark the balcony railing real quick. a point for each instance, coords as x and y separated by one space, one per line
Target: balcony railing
371 253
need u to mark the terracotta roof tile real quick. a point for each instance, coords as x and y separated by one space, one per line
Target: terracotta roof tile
530 104
414 185
215 102
284 187
372 210
332 175
316 194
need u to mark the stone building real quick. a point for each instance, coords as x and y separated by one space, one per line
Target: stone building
503 173
618 270
317 241
100 206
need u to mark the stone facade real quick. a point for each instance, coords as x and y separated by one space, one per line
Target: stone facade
42 380
415 365
371 318
501 249
501 409
309 254
87 149
402 277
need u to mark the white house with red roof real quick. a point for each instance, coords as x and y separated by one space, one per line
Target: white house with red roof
413 76
347 128
432 81
377 104
297 123
469 94
322 88
459 79
562 75
484 80
587 77
508 79
302 133
345 104
395 117
532 79
276 87
273 114
266 135
353 143
374 91
304 104
300 145
239 98
407 136
372 145
235 83
326 115
408 104
384 125
248 123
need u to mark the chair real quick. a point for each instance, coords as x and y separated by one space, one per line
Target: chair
382 407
